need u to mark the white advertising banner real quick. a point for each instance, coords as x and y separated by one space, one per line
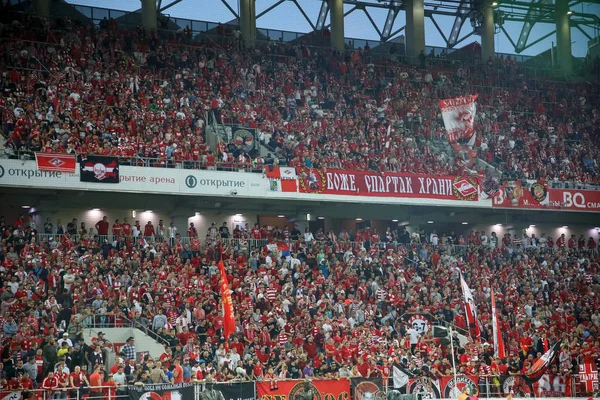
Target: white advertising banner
139 179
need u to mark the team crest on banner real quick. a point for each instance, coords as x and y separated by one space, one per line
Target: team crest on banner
99 169
455 386
368 388
312 180
425 387
244 137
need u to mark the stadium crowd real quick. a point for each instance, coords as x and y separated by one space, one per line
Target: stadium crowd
103 90
337 305
307 305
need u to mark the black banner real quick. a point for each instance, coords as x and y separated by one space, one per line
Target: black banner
235 390
177 391
367 388
244 137
99 169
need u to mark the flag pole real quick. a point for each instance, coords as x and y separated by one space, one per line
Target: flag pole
452 350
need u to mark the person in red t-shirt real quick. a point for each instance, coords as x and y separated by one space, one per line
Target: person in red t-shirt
102 227
117 229
149 230
126 228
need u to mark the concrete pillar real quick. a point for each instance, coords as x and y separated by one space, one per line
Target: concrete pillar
563 36
42 8
149 14
336 15
415 28
487 33
248 21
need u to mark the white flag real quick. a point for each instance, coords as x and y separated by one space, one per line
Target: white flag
458 115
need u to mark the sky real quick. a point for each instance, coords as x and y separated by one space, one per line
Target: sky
287 17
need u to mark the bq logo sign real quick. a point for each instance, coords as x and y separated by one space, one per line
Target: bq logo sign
456 386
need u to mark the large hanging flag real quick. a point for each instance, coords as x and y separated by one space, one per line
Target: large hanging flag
56 162
498 342
470 309
540 366
226 303
458 114
400 376
99 169
282 179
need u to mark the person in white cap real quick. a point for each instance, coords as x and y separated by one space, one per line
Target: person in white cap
65 338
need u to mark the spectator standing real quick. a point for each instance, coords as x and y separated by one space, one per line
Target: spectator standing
102 228
96 380
129 348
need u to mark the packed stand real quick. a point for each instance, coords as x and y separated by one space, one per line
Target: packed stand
103 90
336 306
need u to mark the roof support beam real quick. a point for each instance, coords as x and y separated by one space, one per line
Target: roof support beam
389 23
169 5
458 23
268 9
322 15
304 14
373 23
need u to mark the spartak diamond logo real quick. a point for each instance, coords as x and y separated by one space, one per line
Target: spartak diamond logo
57 162
465 188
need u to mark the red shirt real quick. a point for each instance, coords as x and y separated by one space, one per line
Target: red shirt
178 374
102 228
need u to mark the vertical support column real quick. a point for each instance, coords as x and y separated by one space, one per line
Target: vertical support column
487 33
149 14
336 14
42 8
248 21
415 28
563 36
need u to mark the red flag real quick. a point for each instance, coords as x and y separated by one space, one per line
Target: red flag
56 162
226 303
540 367
470 310
498 342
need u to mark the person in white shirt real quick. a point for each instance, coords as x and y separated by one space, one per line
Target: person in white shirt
172 232
484 238
234 358
433 238
65 338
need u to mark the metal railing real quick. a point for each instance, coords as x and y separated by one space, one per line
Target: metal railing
118 320
489 386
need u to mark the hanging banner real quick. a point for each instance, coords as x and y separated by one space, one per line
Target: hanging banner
538 195
551 385
453 387
588 376
244 137
11 396
515 385
458 114
177 391
338 389
56 162
367 388
387 184
427 388
234 390
99 169
420 323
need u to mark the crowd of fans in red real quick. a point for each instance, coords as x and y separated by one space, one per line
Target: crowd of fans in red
331 308
84 89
